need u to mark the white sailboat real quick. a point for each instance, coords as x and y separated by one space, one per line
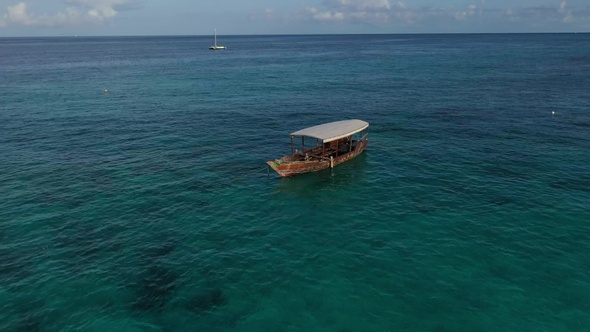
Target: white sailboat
216 47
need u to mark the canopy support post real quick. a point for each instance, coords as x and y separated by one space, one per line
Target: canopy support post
292 150
302 144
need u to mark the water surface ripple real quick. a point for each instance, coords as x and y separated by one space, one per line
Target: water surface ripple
149 208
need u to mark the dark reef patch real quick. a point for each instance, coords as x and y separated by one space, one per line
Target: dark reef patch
206 300
155 288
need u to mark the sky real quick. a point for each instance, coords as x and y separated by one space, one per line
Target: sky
259 17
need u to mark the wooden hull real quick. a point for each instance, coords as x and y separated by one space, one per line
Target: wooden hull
291 168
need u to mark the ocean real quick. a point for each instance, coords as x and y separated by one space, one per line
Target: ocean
134 194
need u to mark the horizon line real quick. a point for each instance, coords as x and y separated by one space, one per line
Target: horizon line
307 34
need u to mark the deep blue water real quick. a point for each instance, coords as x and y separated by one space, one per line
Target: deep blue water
149 208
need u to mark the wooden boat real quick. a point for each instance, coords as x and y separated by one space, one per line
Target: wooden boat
336 142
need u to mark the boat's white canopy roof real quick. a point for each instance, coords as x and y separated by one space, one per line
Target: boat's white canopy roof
332 131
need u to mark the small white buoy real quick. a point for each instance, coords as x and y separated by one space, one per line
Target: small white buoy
106 90
553 113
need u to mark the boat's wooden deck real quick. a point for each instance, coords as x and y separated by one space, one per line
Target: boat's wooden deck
318 153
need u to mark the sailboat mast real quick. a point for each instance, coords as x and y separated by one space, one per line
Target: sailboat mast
215 38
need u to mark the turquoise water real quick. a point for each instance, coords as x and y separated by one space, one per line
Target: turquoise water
150 208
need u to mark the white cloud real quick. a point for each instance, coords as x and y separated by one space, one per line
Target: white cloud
375 12
268 14
100 9
325 16
543 15
563 9
359 5
368 11
569 18
77 12
562 6
18 14
470 11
